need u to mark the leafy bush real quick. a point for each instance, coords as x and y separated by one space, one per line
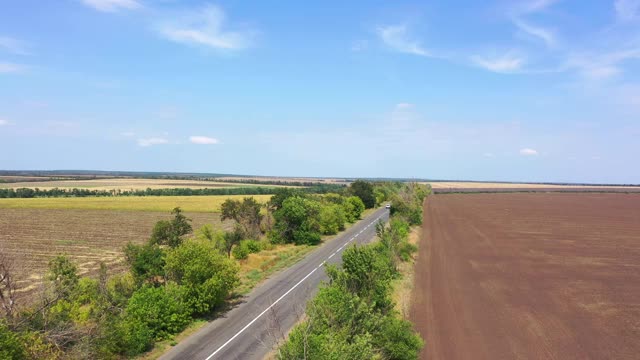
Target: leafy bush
205 276
297 222
241 252
11 346
145 261
159 309
332 219
254 246
353 208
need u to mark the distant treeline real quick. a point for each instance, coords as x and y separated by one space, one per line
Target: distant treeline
257 190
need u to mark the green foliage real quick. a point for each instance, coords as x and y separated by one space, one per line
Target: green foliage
205 276
159 309
64 276
283 194
131 336
363 190
11 346
297 221
231 239
146 262
246 214
353 208
332 219
352 317
241 252
171 232
254 246
407 202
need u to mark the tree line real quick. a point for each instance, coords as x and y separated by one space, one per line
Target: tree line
75 192
176 275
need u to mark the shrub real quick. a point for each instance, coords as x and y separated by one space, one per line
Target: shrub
254 246
205 276
11 346
159 309
353 208
297 221
332 219
240 252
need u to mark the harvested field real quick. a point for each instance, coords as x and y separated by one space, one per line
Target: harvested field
33 236
210 203
126 184
529 276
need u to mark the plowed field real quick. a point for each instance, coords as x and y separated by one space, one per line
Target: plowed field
529 276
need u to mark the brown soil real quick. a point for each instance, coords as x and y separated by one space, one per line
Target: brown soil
32 237
529 276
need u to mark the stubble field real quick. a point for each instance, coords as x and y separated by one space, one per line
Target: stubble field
529 276
90 230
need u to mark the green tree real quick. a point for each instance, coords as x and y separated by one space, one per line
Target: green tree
363 190
297 221
159 309
353 208
332 219
146 262
64 276
206 277
171 232
245 213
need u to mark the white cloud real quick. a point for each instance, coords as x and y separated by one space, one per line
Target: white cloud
400 106
6 68
128 134
145 142
13 46
546 35
533 6
203 140
396 38
4 122
507 63
112 5
627 10
205 28
528 152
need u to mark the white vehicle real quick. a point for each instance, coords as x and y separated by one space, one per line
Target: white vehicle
388 206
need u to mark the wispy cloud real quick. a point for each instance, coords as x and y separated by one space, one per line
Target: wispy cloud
4 122
128 134
205 27
506 63
113 5
397 38
14 46
6 68
532 6
528 152
146 142
627 10
203 140
538 32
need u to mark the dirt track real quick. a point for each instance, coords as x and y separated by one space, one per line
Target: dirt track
529 276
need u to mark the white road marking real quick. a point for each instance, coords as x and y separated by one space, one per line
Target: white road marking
283 295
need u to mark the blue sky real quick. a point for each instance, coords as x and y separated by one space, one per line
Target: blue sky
532 90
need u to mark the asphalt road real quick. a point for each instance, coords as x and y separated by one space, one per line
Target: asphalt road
250 330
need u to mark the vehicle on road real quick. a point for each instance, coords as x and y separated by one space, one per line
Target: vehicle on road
388 206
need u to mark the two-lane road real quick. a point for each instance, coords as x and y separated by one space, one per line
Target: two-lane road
250 330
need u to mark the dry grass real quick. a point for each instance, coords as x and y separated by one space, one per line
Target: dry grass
126 184
129 203
403 287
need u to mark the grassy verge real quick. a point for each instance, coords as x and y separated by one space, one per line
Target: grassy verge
129 203
403 287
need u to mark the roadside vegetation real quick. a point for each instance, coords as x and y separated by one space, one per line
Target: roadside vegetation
354 315
179 276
